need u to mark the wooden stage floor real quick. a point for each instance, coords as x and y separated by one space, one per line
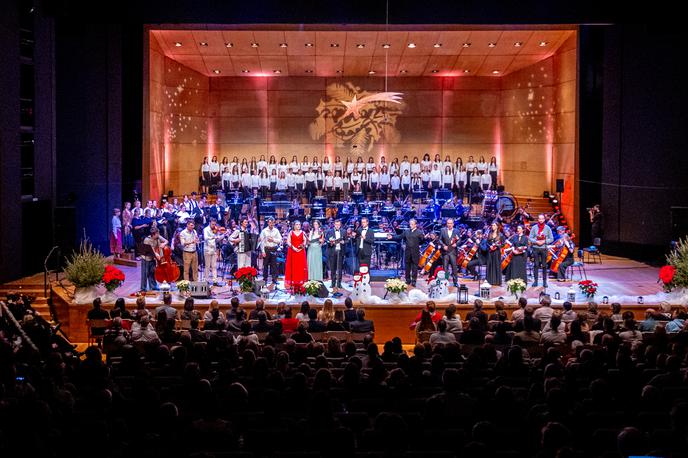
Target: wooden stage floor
622 280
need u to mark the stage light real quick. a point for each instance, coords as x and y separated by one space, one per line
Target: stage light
360 46
203 43
386 46
277 71
518 44
491 44
308 45
555 201
466 45
543 44
217 71
411 45
245 71
437 45
254 45
334 45
178 44
403 71
309 71
229 44
466 71
495 72
371 72
283 45
434 71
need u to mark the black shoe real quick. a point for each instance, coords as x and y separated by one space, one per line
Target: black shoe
456 284
534 285
544 285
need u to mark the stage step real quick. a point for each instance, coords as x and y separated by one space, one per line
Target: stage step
125 262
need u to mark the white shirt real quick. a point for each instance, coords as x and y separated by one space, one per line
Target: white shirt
116 225
486 178
415 168
492 168
214 167
405 165
447 178
370 166
374 178
246 180
337 236
482 166
310 177
349 167
395 182
255 181
329 181
470 166
363 236
281 184
226 176
264 181
435 175
267 233
337 182
209 237
384 179
326 166
205 167
461 177
406 179
291 180
189 237
393 167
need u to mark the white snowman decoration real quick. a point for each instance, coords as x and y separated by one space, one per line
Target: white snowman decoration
361 291
439 285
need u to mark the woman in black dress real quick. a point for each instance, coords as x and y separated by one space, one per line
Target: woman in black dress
493 243
517 267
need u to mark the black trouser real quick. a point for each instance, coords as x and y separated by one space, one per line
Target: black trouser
406 188
364 258
310 189
335 260
270 264
450 260
411 258
566 263
471 266
461 189
540 263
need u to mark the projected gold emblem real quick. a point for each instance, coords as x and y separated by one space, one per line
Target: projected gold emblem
356 118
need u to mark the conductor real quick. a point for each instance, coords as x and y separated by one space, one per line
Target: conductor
365 239
412 237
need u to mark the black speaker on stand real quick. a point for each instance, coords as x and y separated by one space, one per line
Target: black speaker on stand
560 185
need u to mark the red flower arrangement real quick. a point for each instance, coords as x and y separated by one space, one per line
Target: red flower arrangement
245 277
666 276
298 288
112 278
588 287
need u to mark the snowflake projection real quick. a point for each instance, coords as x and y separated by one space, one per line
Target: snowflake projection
176 122
357 119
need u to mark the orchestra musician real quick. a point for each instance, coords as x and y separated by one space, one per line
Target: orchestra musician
241 238
412 237
564 240
152 253
493 244
365 240
596 224
449 237
189 241
479 257
270 238
540 238
211 234
335 239
517 266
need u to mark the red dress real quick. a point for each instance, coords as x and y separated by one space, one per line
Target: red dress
296 269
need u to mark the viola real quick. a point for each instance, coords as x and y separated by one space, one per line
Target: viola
167 270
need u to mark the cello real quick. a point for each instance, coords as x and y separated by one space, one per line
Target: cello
507 254
167 270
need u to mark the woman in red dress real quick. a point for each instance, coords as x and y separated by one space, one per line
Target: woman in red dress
296 269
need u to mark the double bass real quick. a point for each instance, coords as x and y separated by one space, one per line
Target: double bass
167 270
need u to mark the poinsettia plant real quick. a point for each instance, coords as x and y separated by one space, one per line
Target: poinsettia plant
245 277
588 287
112 278
666 276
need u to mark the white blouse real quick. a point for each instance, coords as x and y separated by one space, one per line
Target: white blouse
415 167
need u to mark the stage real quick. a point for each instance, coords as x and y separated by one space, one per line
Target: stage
622 280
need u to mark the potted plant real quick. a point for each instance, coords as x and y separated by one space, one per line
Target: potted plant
183 288
85 270
395 287
112 279
675 274
246 276
516 286
312 287
588 288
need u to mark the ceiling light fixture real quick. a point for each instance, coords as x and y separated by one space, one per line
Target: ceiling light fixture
491 44
466 71
544 43
434 71
283 45
334 45
338 71
518 44
386 45
360 46
245 70
466 45
217 71
309 71
229 44
411 45
277 71
403 71
308 45
203 43
371 72
178 44
495 72
437 45
254 45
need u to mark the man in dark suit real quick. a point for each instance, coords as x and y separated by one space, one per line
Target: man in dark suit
335 239
217 211
449 237
314 325
365 240
412 237
361 324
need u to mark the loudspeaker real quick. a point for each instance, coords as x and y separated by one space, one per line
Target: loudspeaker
560 185
323 292
199 289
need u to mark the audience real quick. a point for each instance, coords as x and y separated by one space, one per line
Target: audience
361 325
442 336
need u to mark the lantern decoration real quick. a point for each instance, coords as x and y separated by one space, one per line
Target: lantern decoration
641 300
605 300
485 290
462 294
571 295
557 296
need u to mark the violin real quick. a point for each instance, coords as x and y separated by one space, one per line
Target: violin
167 270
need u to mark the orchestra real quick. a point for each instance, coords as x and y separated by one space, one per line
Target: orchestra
381 221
